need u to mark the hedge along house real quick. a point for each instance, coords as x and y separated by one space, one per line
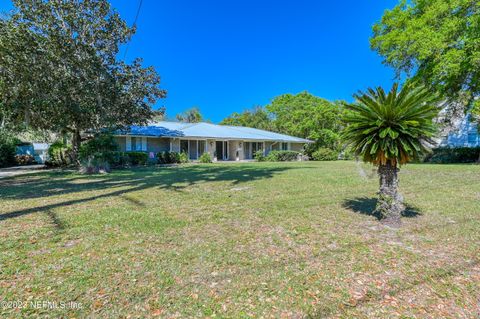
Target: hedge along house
223 143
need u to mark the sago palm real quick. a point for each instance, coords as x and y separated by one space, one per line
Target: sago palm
389 130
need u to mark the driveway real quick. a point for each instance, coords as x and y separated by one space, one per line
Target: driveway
19 170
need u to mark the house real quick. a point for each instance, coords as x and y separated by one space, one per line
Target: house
223 143
38 150
465 133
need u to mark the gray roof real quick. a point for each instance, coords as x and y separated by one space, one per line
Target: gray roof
208 130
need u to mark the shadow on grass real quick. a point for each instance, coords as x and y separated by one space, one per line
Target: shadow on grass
367 206
120 183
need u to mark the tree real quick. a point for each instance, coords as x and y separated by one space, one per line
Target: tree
159 115
307 116
389 130
192 115
436 41
59 68
257 117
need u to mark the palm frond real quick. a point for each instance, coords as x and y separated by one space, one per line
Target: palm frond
391 127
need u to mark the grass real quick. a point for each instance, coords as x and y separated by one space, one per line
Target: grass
240 240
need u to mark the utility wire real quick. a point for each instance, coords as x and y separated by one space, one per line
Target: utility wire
133 26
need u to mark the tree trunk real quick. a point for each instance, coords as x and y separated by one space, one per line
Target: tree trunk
76 141
389 199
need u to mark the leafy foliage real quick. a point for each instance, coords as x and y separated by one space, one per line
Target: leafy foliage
137 158
192 115
101 147
255 118
259 156
307 116
59 154
183 158
7 149
168 157
446 155
325 154
60 70
205 158
437 40
391 128
281 156
303 115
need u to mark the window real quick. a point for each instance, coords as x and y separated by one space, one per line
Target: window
201 147
136 143
284 146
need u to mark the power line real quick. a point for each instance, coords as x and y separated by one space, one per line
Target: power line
133 26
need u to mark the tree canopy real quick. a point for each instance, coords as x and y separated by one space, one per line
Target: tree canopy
59 69
307 116
436 41
257 117
192 115
303 115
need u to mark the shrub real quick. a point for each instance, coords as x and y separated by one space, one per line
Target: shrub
205 158
101 148
183 158
168 157
346 154
446 155
24 159
282 156
59 154
7 150
137 158
325 154
120 159
259 157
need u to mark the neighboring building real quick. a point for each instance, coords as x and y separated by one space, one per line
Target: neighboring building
41 152
220 141
465 133
38 150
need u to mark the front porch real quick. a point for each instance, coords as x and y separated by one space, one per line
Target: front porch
219 149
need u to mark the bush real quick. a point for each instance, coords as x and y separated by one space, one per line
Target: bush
205 158
447 155
7 150
324 154
101 148
137 158
168 157
24 159
259 157
120 159
282 156
183 158
59 154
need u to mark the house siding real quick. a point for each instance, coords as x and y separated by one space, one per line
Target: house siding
158 144
297 147
121 141
466 134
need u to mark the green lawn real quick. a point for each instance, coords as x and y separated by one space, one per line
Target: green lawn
241 240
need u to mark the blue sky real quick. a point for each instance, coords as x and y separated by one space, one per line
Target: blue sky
227 56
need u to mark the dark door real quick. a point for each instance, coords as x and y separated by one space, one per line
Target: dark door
219 150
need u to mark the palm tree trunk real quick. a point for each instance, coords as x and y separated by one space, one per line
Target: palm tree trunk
389 199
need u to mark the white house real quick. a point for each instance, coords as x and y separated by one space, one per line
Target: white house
222 142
